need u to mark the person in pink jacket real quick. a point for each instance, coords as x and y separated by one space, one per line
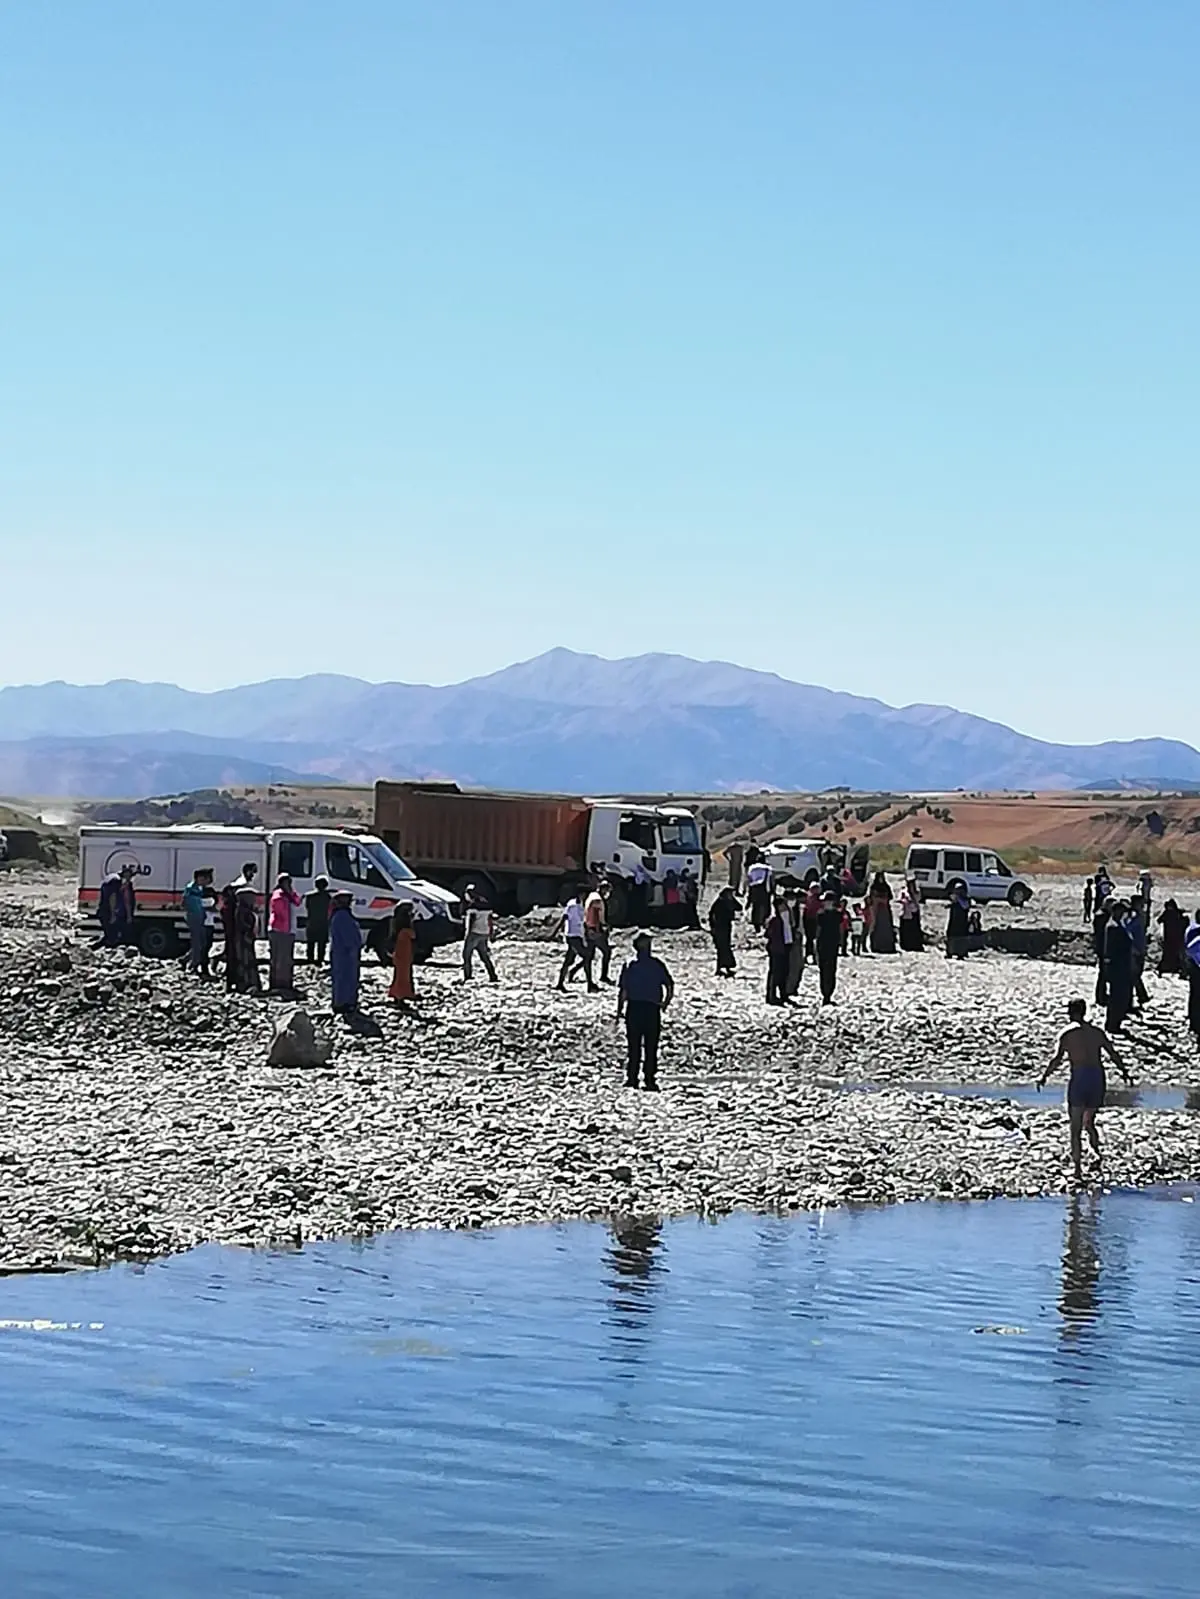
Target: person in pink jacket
281 936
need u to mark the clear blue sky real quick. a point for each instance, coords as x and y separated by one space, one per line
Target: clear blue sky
856 342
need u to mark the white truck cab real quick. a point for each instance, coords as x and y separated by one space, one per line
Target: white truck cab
933 867
164 858
640 845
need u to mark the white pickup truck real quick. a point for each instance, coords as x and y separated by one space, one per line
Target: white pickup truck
164 858
795 861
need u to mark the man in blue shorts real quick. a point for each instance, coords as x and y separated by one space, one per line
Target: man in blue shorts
1085 1047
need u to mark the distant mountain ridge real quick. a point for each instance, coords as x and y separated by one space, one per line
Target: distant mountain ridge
560 721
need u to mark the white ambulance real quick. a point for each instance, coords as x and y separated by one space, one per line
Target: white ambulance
164 858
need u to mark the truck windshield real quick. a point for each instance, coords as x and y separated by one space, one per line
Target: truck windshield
679 835
390 861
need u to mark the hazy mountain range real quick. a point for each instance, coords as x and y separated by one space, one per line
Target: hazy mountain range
560 721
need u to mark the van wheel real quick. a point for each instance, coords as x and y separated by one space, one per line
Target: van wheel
1018 895
158 941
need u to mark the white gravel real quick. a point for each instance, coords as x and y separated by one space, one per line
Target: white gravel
141 1118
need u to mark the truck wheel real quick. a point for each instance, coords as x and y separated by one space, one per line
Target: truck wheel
1018 895
618 903
421 951
158 941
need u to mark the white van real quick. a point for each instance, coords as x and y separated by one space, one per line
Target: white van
164 858
933 867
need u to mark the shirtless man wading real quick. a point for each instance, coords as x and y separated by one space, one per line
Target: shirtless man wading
1085 1047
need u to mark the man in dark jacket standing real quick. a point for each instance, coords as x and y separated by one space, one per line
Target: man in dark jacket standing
829 943
780 935
316 921
645 990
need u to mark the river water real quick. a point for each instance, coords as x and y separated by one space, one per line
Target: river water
935 1400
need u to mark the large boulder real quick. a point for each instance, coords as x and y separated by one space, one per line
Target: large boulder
298 1043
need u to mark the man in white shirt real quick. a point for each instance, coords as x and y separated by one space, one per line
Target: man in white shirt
758 890
573 923
595 929
478 940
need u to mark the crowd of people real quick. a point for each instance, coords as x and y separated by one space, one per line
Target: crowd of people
819 922
827 918
1121 937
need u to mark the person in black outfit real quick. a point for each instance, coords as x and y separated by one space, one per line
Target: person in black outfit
779 952
1099 929
645 990
958 923
1191 967
316 921
829 943
721 917
1118 967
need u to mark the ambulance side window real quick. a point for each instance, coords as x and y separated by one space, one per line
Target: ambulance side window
347 864
974 863
296 857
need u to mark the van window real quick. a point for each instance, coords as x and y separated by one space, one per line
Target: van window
296 857
974 861
953 859
348 864
922 860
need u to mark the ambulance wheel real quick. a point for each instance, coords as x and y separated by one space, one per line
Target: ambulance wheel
1018 895
158 941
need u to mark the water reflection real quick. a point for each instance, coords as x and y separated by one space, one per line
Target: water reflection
1079 1300
634 1270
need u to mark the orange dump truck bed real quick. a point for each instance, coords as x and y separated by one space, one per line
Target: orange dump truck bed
437 827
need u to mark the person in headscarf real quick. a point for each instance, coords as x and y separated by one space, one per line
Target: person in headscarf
883 926
402 990
281 935
1118 967
958 922
1174 927
721 917
345 953
912 935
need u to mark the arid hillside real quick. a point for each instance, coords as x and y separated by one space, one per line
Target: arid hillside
1043 830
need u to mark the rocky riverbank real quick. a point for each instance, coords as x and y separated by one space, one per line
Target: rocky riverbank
141 1117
